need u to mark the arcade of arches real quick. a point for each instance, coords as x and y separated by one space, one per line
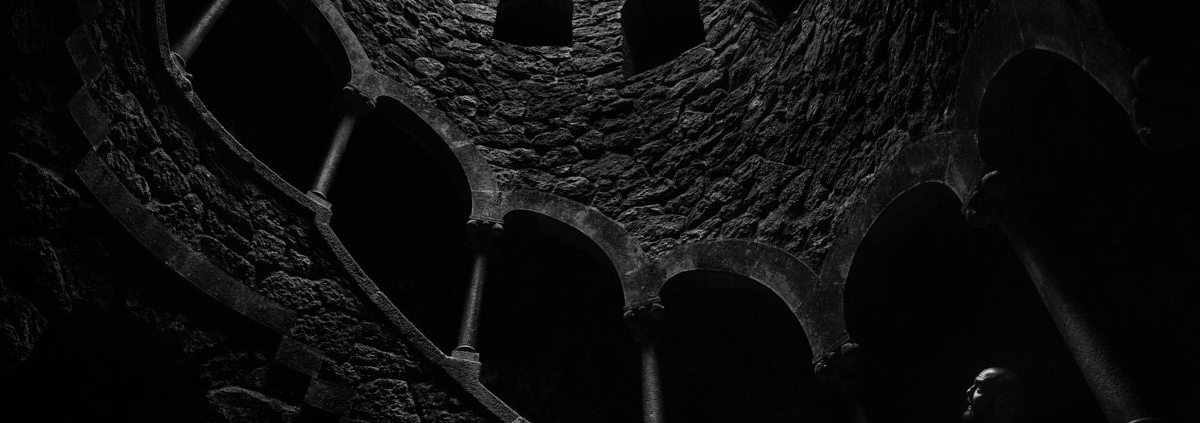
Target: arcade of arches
516 211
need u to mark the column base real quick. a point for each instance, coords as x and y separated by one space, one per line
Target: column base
465 353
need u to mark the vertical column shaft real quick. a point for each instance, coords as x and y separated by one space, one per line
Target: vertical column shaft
479 238
333 157
644 321
185 46
1061 293
1107 378
352 103
652 402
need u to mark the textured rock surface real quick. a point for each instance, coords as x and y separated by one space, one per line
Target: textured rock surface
763 132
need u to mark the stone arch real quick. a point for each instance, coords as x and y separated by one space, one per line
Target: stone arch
1011 27
774 269
920 162
618 248
738 301
552 340
925 290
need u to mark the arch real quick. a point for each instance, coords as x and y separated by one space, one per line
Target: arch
730 344
781 273
924 161
926 290
656 32
552 341
608 237
1011 27
425 123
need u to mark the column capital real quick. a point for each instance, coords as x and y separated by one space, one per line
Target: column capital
988 203
481 233
1166 100
352 100
845 365
644 320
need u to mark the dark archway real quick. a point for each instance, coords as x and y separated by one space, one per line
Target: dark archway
933 302
731 350
534 22
103 366
553 343
658 31
267 83
400 210
1115 217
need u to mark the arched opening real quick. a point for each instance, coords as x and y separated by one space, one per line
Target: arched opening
1115 216
657 31
534 22
266 82
399 206
933 302
731 350
553 343
102 366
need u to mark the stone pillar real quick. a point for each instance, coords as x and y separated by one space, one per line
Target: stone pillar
185 46
846 367
351 103
644 321
480 234
1062 294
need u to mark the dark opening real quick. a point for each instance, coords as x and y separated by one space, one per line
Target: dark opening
534 22
553 344
1155 26
400 211
1114 216
267 84
934 302
658 31
731 350
99 366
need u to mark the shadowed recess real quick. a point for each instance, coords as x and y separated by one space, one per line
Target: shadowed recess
934 301
553 343
658 31
103 366
534 22
1111 213
401 215
731 350
267 83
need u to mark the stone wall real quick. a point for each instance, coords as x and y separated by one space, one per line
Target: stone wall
64 253
765 131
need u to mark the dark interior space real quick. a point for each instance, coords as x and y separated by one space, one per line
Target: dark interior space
534 22
732 351
1155 26
552 340
658 31
401 214
102 366
1116 216
267 84
934 302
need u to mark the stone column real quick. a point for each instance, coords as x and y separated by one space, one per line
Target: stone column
185 46
846 368
993 202
644 321
352 103
480 234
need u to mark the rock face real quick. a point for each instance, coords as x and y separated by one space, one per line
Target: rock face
778 122
764 131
